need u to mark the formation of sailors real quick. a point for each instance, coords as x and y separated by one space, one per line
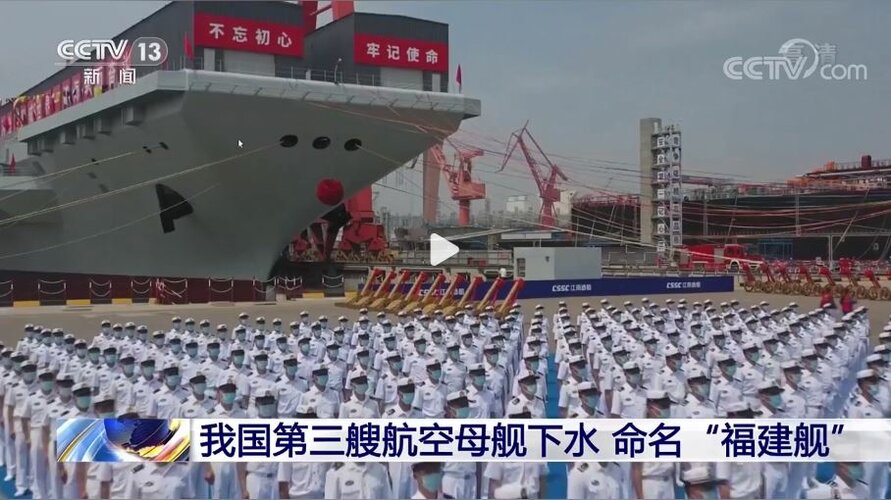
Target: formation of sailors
651 361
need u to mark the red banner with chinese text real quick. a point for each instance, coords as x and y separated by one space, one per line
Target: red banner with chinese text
401 53
248 35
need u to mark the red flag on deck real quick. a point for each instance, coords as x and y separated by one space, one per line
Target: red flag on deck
458 78
187 47
12 165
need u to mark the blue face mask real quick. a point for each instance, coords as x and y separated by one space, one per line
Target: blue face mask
593 400
266 411
730 370
435 374
291 370
322 380
172 381
128 369
873 390
463 412
228 398
238 360
46 386
94 356
29 377
192 351
108 414
176 348
856 472
776 400
304 348
361 389
111 359
282 346
397 365
83 402
432 481
148 371
261 365
214 352
199 389
241 336
665 413
479 380
408 398
421 348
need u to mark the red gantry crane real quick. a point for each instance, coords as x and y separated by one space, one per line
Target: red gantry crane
458 176
546 181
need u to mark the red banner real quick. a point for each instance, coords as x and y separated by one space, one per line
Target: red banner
401 53
248 35
75 88
57 98
48 104
66 94
33 108
5 124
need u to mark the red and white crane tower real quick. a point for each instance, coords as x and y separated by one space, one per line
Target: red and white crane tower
546 181
458 176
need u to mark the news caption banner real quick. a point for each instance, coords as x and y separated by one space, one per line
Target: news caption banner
473 440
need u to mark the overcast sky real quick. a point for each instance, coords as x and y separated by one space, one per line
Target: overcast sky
585 72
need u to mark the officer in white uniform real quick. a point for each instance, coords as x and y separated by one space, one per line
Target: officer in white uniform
357 480
428 478
591 481
400 472
654 480
261 479
431 393
459 478
21 394
866 405
848 484
360 405
740 479
529 477
302 479
527 399
38 437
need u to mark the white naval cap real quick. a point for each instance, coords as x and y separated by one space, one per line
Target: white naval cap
587 386
433 362
875 358
747 346
243 315
456 396
737 407
768 385
868 373
576 359
670 350
722 357
790 365
404 382
696 372
630 365
808 353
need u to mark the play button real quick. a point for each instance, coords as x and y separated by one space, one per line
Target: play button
441 249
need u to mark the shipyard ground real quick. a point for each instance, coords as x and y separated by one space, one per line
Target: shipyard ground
84 322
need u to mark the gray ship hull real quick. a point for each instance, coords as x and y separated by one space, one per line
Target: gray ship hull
247 202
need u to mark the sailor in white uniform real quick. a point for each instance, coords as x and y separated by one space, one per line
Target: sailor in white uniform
428 477
848 484
654 480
